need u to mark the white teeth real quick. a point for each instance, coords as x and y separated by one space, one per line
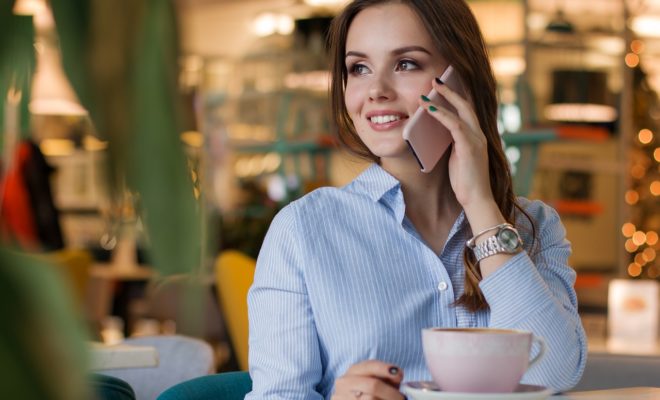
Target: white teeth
383 119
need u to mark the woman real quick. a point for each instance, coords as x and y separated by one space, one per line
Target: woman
348 277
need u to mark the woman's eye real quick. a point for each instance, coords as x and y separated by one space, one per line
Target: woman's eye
406 65
358 69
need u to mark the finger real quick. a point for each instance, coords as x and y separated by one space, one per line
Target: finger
462 106
378 369
451 121
363 387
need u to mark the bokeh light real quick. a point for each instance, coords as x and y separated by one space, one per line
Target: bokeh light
634 270
639 238
637 46
649 254
655 188
645 136
628 229
632 60
637 171
632 197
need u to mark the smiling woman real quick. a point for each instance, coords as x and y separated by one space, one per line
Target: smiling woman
348 278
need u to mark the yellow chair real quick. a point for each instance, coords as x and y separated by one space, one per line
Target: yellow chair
74 265
234 273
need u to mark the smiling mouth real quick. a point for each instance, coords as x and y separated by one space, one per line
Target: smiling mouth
384 119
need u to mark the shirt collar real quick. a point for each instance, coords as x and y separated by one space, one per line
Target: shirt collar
379 185
382 187
376 182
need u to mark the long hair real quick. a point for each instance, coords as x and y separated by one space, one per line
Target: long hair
457 37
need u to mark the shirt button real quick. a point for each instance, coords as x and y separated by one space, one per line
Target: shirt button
442 286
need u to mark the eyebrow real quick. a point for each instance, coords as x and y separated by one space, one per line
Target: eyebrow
396 52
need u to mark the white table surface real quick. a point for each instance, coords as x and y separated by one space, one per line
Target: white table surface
636 393
103 356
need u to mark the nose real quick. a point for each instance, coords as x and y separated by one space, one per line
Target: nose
381 89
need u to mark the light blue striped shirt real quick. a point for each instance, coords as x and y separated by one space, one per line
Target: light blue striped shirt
344 277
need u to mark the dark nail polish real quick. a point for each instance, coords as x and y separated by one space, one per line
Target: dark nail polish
394 370
440 82
426 99
432 109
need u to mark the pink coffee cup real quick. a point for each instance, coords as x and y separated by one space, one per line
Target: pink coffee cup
478 360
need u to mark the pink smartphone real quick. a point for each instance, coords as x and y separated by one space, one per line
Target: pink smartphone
427 137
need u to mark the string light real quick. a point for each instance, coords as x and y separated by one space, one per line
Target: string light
637 46
639 259
632 60
634 270
651 238
655 188
632 197
649 254
645 136
628 229
630 246
639 238
656 154
638 171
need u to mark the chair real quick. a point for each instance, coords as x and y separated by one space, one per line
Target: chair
224 386
111 388
181 358
608 371
234 272
74 265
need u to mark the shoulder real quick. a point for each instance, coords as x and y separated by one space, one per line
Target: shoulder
546 220
326 199
540 212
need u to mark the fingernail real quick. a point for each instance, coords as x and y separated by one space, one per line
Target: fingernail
440 82
394 370
426 99
432 109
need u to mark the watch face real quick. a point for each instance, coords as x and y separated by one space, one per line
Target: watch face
508 239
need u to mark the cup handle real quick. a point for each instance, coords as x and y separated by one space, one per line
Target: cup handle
541 352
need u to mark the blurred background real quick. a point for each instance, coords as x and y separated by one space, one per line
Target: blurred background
147 145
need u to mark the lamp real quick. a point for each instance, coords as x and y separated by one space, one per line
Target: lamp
580 96
28 7
52 93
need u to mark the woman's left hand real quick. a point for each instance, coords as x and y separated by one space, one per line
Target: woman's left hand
468 161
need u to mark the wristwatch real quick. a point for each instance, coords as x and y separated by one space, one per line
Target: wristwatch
505 241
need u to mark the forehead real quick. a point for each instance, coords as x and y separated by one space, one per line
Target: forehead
388 25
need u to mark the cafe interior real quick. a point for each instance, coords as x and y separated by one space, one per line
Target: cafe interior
147 145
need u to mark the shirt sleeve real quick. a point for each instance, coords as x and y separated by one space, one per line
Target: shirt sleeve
284 354
536 294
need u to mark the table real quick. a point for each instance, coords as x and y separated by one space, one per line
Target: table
113 287
636 393
609 346
115 356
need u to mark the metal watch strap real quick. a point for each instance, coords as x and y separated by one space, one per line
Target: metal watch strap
492 245
487 248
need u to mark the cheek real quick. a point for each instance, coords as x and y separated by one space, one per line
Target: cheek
352 100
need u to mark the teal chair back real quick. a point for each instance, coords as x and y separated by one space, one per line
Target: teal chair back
111 388
223 386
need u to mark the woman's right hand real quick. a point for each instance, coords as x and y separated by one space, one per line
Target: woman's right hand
370 379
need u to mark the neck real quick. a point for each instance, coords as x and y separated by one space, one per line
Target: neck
429 197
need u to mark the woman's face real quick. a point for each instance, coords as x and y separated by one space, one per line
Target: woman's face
391 61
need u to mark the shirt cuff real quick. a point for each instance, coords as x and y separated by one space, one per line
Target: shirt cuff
511 289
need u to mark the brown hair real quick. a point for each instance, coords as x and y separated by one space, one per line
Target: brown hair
455 31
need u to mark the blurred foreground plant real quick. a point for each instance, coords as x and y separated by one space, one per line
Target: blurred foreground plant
122 58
